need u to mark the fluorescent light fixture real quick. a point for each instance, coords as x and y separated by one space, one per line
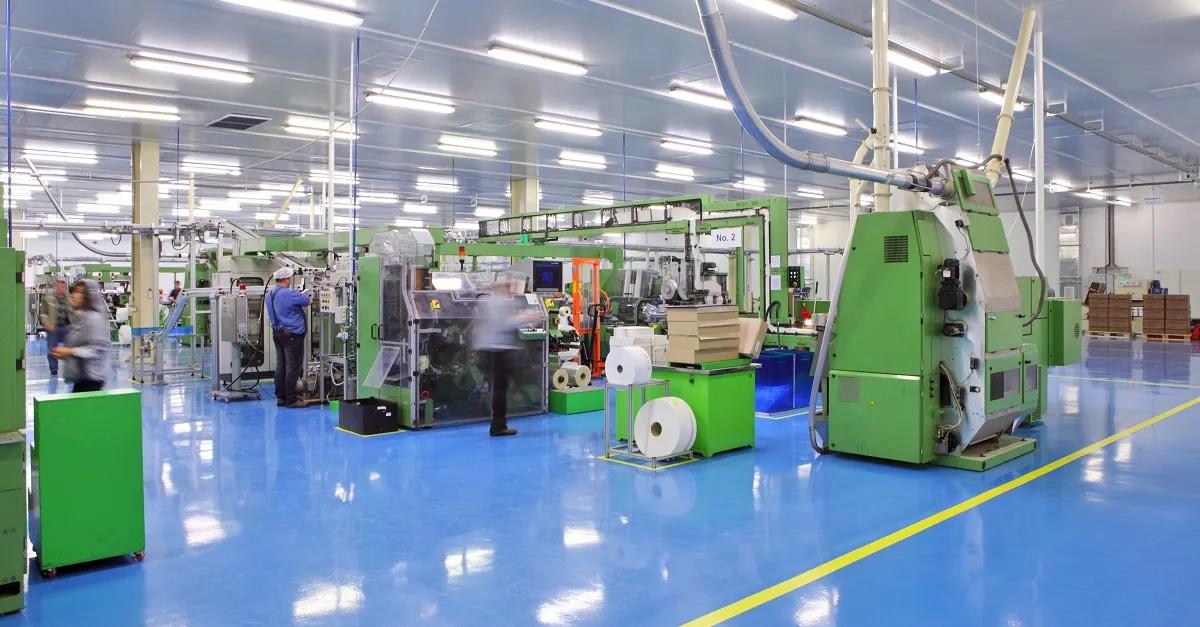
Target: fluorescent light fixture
537 60
997 99
378 198
699 97
597 199
251 201
250 196
103 107
690 146
304 10
61 153
1022 176
489 212
89 207
1122 201
270 215
674 172
33 234
197 167
467 145
1058 185
190 66
967 160
911 63
774 8
198 213
49 174
221 205
442 184
321 175
907 148
464 225
319 127
412 224
419 207
752 184
588 160
808 219
817 126
277 188
570 127
1090 195
345 220
411 100
810 192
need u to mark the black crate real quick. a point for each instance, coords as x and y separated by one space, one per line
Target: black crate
368 416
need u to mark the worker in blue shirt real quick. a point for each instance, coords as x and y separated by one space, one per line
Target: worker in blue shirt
285 308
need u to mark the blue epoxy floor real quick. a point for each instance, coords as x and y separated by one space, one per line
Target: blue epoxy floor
263 516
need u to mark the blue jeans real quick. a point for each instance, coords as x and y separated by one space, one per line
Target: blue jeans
54 339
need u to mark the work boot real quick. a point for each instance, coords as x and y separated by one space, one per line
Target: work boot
503 432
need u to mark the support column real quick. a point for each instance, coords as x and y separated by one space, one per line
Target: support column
881 100
1039 146
524 195
144 272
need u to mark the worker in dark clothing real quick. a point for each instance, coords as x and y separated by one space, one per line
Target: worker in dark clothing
496 337
285 308
174 295
54 313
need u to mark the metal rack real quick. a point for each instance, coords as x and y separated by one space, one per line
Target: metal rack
628 448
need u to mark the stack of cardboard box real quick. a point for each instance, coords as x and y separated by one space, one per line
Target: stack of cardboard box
1167 314
702 334
1110 313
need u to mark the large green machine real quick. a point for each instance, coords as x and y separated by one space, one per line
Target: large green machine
13 562
931 358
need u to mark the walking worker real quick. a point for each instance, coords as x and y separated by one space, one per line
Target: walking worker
54 313
85 352
285 308
496 336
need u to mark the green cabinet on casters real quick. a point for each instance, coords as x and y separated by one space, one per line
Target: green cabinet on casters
89 492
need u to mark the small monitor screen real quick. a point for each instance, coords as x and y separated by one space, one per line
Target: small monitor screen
547 276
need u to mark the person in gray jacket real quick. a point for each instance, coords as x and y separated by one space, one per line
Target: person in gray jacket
85 352
495 336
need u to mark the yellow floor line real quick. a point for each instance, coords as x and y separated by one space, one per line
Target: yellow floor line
790 585
1129 381
645 467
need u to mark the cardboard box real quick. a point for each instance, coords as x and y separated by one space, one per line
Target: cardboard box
1119 311
677 355
753 332
1156 327
1154 298
693 343
703 328
699 313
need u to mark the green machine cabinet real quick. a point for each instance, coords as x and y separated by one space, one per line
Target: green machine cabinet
13 562
1064 331
721 398
89 492
12 347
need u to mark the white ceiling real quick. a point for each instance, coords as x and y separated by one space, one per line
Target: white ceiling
65 51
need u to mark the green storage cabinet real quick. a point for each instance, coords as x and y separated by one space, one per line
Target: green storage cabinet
722 400
88 458
13 562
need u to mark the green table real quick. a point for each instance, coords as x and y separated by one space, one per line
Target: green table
88 458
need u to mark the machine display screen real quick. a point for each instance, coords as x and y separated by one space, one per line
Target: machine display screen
547 276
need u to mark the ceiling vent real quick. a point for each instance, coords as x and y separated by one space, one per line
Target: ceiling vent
238 122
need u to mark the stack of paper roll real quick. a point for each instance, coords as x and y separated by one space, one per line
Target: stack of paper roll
579 375
644 337
628 365
664 427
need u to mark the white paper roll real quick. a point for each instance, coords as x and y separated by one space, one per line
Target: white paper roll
664 427
579 375
561 379
122 315
627 365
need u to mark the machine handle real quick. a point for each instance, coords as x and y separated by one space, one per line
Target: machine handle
375 331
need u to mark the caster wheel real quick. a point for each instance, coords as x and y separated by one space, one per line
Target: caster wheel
50 573
139 556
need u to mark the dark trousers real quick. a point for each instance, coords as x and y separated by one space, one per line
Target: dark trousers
87 385
289 359
55 338
501 365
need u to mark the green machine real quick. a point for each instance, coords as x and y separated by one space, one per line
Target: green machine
935 355
88 458
13 529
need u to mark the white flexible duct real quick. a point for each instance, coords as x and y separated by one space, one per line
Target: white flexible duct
1004 121
58 209
722 56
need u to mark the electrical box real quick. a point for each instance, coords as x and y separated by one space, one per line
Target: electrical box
1065 331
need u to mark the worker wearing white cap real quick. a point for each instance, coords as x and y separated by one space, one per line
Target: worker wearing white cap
285 308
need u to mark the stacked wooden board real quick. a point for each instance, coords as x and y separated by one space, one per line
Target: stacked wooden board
1167 316
701 334
1110 314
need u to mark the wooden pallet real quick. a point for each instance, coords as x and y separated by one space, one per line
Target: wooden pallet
1168 337
1119 334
